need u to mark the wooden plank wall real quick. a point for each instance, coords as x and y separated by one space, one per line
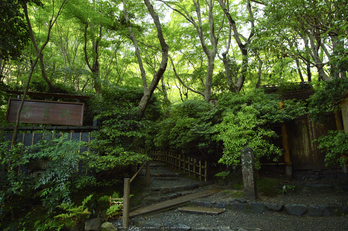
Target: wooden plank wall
304 153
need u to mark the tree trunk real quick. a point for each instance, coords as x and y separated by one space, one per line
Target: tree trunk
299 69
95 68
149 91
209 78
242 47
15 131
136 46
42 64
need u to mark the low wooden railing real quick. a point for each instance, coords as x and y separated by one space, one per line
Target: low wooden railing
195 167
126 193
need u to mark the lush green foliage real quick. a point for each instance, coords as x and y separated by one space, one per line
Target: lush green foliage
59 158
327 98
121 131
14 31
189 129
76 214
56 159
239 120
248 120
335 147
244 129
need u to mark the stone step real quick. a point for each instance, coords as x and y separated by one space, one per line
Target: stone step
179 188
172 202
157 164
163 197
201 210
167 178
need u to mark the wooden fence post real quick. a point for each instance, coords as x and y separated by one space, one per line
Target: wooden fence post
194 168
125 219
200 170
206 171
148 174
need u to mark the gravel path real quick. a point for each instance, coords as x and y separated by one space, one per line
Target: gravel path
236 220
322 192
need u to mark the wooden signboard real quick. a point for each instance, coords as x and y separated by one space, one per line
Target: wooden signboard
46 112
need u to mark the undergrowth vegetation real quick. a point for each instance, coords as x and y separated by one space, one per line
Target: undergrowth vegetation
216 133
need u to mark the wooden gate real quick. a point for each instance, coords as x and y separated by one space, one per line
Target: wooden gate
305 154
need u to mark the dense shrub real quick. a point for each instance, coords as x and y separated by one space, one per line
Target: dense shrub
335 147
327 98
239 120
248 120
189 128
121 130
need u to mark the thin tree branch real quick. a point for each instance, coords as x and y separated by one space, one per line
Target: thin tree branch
182 82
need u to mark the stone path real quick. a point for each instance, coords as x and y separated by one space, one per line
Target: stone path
171 203
167 185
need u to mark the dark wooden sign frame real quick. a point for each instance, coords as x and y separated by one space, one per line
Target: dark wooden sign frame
46 112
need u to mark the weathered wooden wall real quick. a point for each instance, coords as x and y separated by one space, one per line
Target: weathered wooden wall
304 153
344 109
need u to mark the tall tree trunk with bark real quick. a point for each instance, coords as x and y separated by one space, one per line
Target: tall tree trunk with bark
242 47
42 64
95 67
148 90
162 68
214 38
38 55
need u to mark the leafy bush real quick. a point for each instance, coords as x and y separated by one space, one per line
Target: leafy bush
327 98
121 131
75 214
200 128
58 155
242 129
247 121
335 147
189 129
267 106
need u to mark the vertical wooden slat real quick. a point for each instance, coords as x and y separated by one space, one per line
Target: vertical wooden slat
125 219
194 168
206 171
200 170
19 167
147 181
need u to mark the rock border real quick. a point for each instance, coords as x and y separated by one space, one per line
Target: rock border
263 207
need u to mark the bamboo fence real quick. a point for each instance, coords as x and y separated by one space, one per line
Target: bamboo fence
193 166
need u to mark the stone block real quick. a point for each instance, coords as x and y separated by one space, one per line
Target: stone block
222 204
248 170
238 200
107 226
93 224
315 211
239 206
274 207
295 209
329 210
257 207
202 203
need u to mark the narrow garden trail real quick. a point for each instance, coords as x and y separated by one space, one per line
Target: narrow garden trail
175 201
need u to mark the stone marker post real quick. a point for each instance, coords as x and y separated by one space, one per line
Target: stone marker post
248 169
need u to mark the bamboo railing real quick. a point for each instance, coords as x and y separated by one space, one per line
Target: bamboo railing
193 166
